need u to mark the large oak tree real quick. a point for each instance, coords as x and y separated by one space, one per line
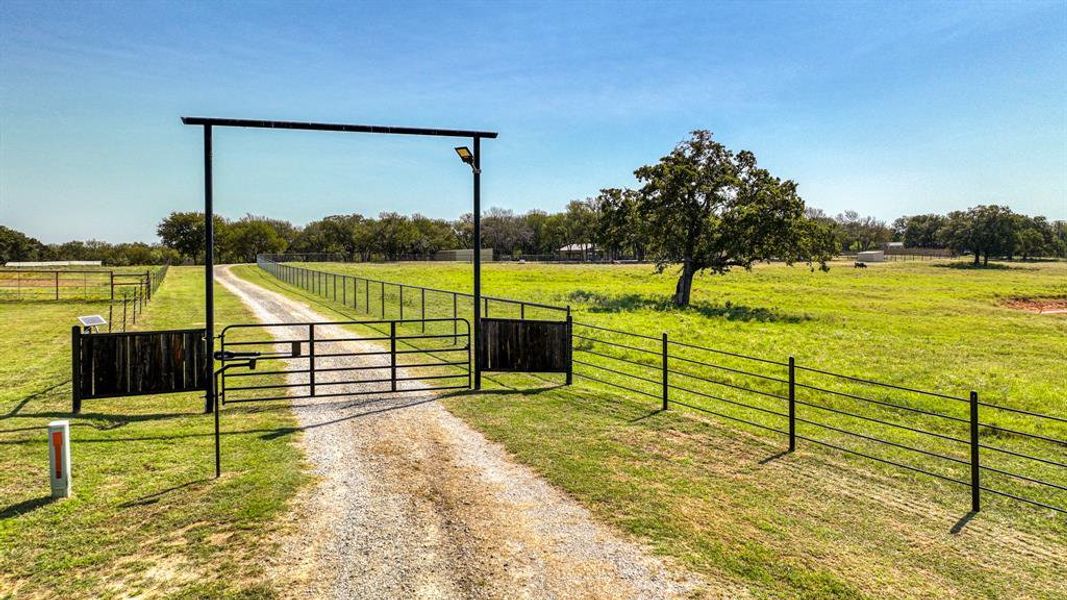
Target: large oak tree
708 208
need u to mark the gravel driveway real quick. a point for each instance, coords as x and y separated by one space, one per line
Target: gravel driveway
413 503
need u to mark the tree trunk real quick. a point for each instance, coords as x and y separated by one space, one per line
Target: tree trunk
977 257
684 288
985 260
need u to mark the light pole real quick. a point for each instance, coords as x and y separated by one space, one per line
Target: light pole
474 160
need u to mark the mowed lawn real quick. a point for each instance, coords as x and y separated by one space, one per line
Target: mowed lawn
723 498
146 518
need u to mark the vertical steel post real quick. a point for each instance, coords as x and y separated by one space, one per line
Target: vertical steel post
570 349
477 214
75 370
423 302
209 274
383 298
666 383
976 469
218 438
392 355
311 358
792 404
455 321
57 285
401 302
344 290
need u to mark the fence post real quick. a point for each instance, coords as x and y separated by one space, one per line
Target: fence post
148 283
124 313
792 404
344 290
383 298
75 371
570 348
666 384
976 485
423 302
311 357
112 273
455 323
401 302
392 355
57 285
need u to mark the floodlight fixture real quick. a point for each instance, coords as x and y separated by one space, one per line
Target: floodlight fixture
467 156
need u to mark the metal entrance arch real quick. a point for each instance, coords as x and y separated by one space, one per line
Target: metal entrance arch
208 123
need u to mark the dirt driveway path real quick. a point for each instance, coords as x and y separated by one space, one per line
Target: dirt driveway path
413 503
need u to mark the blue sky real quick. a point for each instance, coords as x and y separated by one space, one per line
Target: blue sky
885 108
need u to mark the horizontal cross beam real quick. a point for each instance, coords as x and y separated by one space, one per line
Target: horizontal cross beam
342 127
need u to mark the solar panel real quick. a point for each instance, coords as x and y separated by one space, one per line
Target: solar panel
92 321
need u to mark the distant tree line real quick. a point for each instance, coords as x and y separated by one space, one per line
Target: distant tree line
609 222
984 232
16 246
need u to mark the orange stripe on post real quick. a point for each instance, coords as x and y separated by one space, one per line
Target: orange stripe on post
57 443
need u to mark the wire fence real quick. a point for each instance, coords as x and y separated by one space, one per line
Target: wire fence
24 285
387 300
124 309
958 439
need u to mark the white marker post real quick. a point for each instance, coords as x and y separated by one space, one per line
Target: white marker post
59 458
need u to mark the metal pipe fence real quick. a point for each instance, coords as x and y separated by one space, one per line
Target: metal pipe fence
386 299
958 439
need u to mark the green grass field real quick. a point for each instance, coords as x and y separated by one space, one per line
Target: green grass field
147 518
720 496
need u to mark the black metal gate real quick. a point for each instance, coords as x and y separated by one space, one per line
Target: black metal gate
344 358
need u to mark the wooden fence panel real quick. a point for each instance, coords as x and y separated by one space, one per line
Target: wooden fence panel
527 346
108 365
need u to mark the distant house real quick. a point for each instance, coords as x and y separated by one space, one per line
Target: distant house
893 247
463 255
577 251
872 256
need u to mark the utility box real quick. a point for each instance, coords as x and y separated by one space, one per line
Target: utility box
59 458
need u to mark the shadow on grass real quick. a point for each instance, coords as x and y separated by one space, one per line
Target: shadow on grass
506 391
20 508
775 457
155 497
601 303
19 404
970 266
958 527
